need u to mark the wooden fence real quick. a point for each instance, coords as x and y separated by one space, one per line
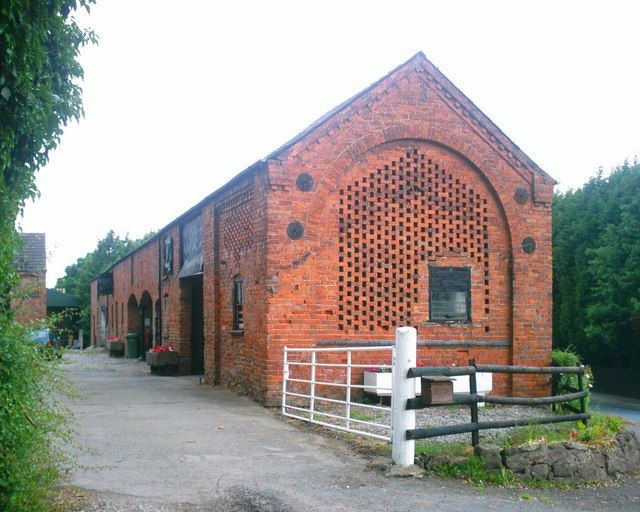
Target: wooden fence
473 398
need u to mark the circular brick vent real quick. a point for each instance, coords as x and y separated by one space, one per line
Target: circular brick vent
304 182
529 245
521 195
295 230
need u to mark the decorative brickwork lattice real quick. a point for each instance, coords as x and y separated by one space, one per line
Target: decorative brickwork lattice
393 222
237 229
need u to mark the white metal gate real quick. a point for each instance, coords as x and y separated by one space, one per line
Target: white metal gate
309 373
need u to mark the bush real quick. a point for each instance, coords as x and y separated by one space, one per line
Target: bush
601 428
34 424
568 357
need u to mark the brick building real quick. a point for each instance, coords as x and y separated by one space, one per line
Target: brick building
31 293
405 205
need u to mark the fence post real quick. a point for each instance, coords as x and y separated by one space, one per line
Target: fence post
402 389
348 380
555 389
473 389
583 400
312 400
285 376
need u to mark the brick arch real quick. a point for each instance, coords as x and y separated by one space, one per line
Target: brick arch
133 315
401 134
400 208
438 136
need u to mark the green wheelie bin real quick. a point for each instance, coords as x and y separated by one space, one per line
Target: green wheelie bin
131 345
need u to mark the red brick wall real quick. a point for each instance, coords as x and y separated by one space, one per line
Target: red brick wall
31 292
238 228
135 275
405 117
410 174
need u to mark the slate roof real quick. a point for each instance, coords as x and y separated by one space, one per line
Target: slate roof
58 299
32 257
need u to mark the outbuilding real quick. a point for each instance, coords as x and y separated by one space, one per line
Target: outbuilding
404 205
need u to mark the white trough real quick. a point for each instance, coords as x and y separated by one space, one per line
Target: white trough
379 383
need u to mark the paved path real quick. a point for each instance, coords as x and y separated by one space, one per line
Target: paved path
169 444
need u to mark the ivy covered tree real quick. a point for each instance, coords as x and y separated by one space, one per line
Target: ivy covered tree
39 94
596 237
79 275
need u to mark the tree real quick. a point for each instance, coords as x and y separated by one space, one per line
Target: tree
79 275
596 237
39 94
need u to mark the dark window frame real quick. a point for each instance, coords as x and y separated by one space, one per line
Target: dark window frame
237 303
167 266
183 243
449 280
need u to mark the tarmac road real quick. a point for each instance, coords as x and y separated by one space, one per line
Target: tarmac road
627 408
169 444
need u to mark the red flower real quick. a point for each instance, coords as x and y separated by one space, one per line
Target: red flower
159 349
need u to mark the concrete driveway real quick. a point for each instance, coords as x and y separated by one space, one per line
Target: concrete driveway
169 443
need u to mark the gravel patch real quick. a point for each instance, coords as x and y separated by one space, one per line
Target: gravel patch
431 417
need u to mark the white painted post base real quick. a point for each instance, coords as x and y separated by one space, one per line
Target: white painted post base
402 389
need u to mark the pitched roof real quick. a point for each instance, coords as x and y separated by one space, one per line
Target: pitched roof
417 60
58 299
32 256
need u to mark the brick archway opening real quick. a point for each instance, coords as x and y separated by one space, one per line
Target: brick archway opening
133 315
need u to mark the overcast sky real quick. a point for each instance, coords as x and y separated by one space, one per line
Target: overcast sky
181 96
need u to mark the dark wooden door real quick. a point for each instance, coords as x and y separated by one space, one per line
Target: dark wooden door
197 327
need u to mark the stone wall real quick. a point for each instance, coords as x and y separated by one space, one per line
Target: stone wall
567 462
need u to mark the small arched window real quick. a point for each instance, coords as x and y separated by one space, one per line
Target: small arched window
238 293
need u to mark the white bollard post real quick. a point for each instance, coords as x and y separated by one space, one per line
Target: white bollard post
402 388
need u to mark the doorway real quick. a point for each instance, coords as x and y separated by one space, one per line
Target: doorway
197 326
146 330
102 336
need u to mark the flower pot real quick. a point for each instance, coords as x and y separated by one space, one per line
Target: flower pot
116 348
162 363
167 358
379 383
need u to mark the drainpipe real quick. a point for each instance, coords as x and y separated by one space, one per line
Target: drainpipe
141 346
158 318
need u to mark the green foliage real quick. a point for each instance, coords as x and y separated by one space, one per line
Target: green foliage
33 422
452 449
470 468
78 276
532 434
600 428
597 268
568 357
39 94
